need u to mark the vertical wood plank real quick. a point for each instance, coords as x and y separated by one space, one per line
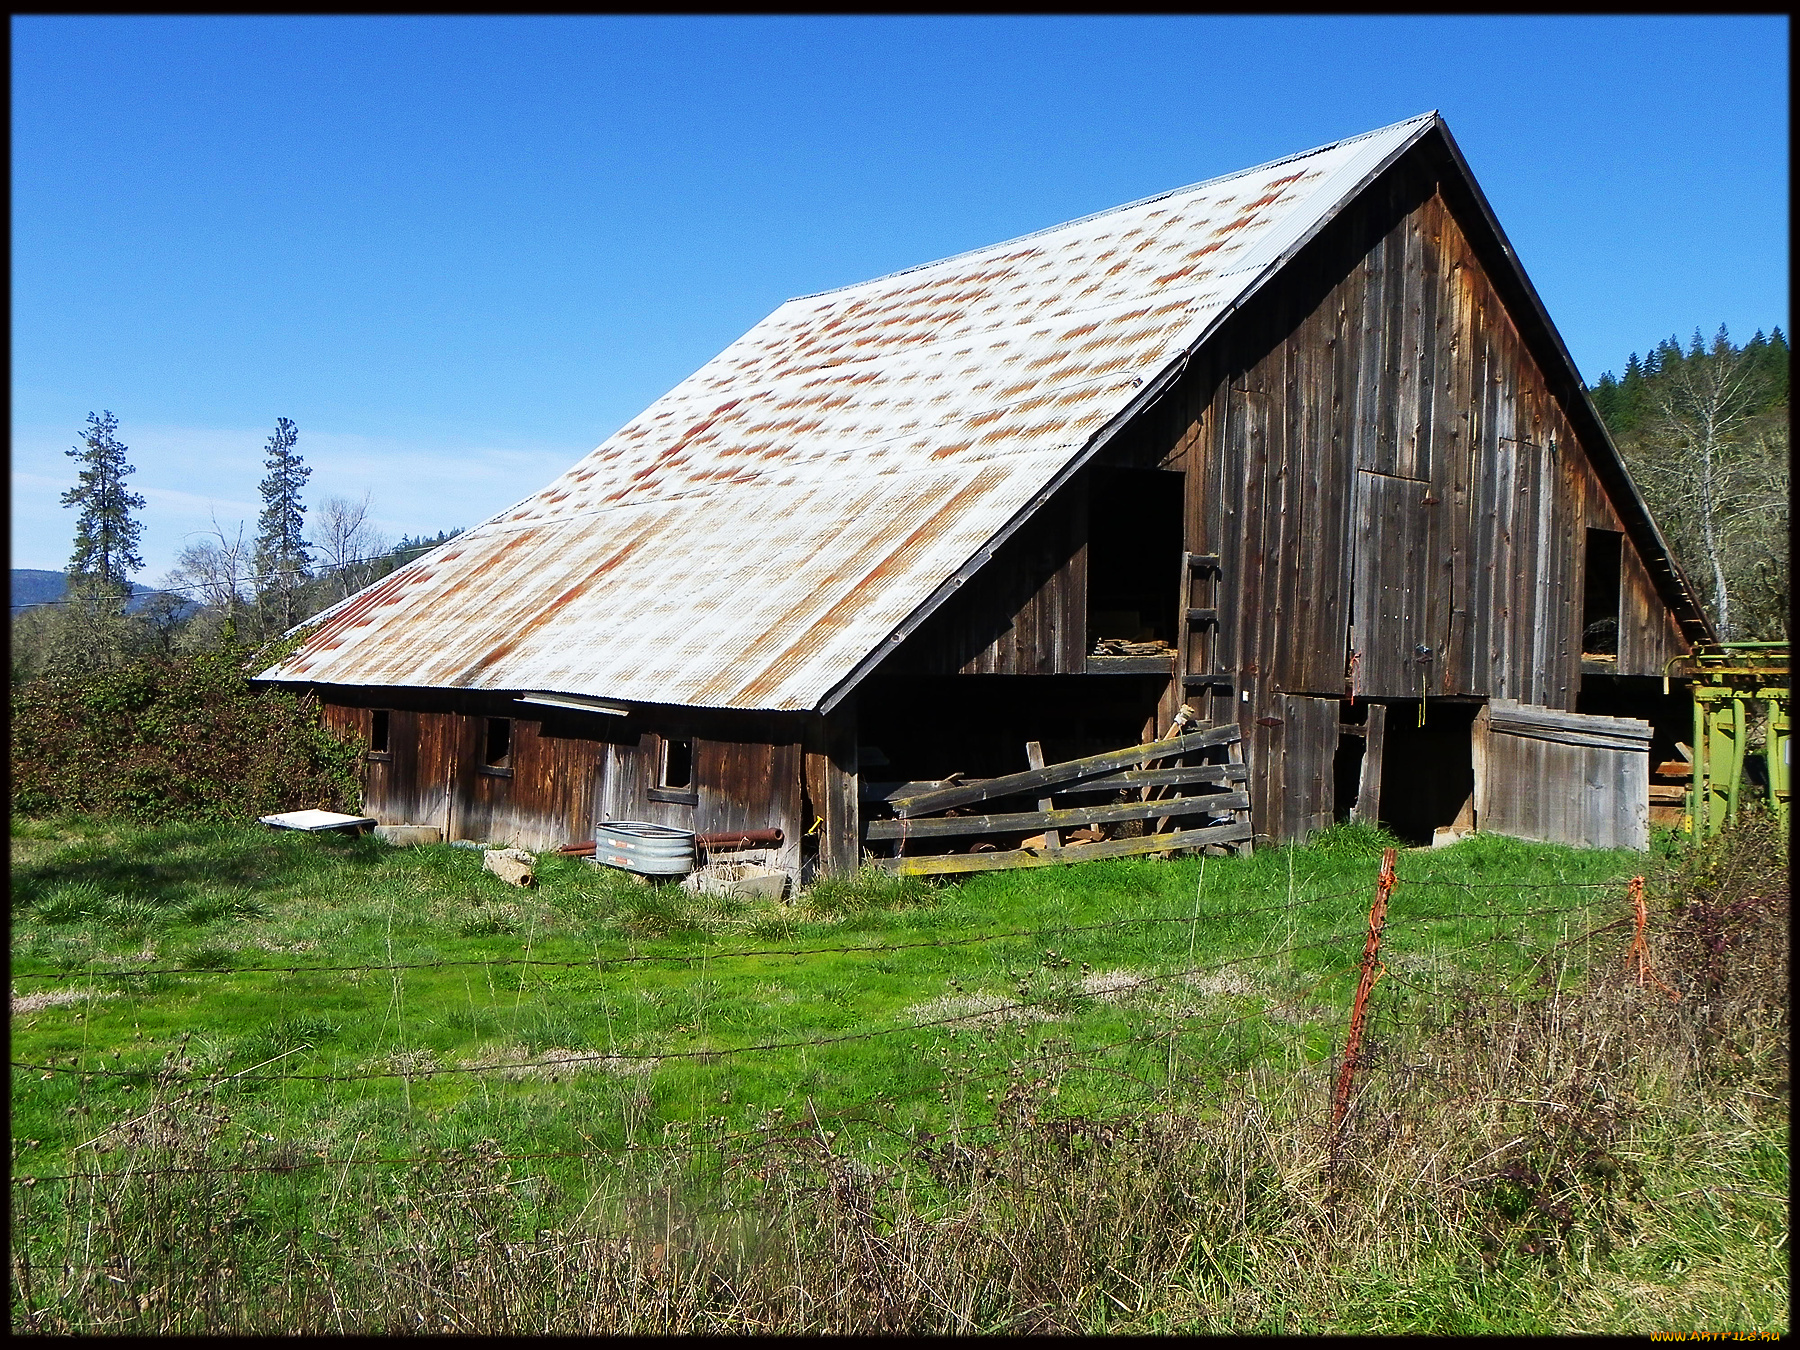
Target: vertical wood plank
1034 758
832 778
1478 762
1368 789
1307 794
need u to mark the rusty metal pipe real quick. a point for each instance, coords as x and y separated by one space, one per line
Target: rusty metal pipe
740 839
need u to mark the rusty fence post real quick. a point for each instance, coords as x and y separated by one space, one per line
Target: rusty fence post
1384 887
1639 947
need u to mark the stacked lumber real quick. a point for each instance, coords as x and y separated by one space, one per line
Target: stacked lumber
1125 647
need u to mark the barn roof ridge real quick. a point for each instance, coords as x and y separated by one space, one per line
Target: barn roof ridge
1152 199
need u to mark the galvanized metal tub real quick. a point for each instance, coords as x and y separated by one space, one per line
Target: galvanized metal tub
638 846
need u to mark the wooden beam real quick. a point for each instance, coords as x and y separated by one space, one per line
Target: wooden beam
1368 789
938 864
1177 777
1130 665
1012 822
1016 783
1034 756
1516 718
1559 737
874 791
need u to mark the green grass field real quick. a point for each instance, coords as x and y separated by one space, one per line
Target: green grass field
330 998
653 971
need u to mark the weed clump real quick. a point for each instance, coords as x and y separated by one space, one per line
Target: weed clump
870 888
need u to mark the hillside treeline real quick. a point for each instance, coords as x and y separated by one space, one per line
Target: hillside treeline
1704 431
202 608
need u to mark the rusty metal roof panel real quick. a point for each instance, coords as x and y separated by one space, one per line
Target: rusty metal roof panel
769 523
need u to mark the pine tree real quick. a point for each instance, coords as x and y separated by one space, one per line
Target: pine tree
1606 401
280 563
106 537
90 629
1631 396
1772 366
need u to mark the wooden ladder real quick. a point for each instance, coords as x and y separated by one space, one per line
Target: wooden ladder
1197 631
1197 653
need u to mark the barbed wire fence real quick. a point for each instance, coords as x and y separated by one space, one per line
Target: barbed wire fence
176 1081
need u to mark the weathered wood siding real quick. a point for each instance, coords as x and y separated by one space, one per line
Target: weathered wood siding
1024 613
1380 464
1562 777
566 771
746 776
433 772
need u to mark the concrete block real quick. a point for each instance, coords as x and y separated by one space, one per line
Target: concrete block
404 836
742 881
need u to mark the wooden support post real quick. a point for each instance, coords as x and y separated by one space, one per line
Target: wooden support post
1368 791
1478 763
1034 756
831 784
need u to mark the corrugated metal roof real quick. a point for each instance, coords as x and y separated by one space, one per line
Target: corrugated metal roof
754 535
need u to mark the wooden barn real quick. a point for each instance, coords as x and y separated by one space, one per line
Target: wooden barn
917 568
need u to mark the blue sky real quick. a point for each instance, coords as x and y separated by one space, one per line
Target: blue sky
460 252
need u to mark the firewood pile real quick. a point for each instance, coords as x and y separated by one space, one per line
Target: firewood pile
1124 647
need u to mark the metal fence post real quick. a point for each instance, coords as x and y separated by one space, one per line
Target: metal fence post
1384 887
1640 948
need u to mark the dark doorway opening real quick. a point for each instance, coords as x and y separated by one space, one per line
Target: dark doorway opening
1600 594
1134 554
1427 772
929 727
1347 763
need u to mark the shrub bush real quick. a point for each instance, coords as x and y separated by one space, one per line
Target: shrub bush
167 737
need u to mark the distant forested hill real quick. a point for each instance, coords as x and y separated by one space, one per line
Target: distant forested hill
34 586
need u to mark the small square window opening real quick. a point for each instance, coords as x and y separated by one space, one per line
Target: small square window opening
499 743
677 764
378 731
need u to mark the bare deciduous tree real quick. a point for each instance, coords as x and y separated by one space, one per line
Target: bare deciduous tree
216 571
1700 458
347 542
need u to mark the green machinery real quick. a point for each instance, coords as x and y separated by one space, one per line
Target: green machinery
1729 680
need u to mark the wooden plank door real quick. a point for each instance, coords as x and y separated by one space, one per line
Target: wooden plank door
1393 632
